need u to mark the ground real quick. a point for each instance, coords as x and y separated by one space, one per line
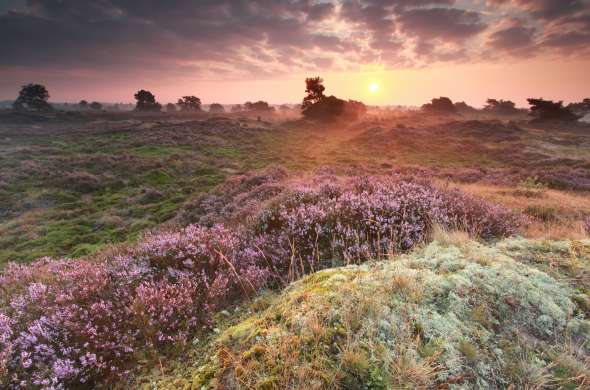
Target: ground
453 314
71 183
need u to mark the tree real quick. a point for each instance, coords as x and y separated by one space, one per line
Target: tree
326 109
171 107
442 105
146 101
544 110
32 97
314 88
581 108
189 103
83 105
258 106
464 108
502 107
317 106
237 108
96 106
216 108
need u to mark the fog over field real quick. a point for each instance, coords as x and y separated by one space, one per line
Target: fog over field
298 194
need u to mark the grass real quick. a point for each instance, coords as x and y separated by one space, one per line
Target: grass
435 318
60 179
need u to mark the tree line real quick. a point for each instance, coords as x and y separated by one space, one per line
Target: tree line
316 105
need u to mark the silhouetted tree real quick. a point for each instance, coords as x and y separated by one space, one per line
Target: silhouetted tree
171 107
317 106
442 105
258 106
314 89
549 110
96 106
146 101
237 108
216 108
581 108
502 107
284 107
464 108
83 105
189 103
32 97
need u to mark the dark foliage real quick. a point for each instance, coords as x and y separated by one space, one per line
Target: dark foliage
237 108
546 110
32 97
189 103
171 107
258 106
501 107
96 106
83 104
442 105
581 108
146 101
216 108
314 90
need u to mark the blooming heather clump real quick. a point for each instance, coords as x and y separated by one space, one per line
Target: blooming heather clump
479 218
74 323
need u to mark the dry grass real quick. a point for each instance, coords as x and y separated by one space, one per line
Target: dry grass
554 214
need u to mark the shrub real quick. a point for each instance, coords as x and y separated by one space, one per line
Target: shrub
72 323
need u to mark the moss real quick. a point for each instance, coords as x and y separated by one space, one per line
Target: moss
477 326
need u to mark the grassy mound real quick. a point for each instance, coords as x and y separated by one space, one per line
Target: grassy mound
450 315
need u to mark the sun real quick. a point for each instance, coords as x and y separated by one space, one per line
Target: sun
374 87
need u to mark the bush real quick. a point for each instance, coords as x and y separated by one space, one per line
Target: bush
75 323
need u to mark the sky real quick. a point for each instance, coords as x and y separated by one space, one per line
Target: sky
396 52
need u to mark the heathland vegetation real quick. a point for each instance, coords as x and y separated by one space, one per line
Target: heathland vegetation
329 245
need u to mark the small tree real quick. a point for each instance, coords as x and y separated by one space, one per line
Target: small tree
258 106
83 105
549 110
32 97
171 107
216 108
581 108
502 107
146 101
96 106
237 108
189 103
442 105
314 89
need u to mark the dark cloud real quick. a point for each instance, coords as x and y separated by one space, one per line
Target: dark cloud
245 37
517 39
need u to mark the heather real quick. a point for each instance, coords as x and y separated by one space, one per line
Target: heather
74 182
84 322
453 314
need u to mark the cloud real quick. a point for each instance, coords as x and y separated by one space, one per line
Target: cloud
258 38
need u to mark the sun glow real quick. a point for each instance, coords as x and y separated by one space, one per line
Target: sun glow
374 87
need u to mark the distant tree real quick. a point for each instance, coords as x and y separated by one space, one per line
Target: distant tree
216 108
314 89
171 107
83 105
258 106
96 106
237 108
502 107
189 103
549 110
32 97
354 109
326 109
581 108
317 106
464 108
284 107
442 105
146 101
